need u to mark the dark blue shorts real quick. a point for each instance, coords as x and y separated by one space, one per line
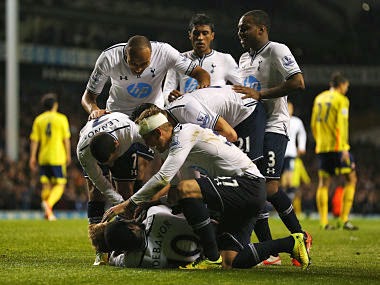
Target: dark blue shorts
55 174
235 202
51 171
126 166
288 165
330 163
251 133
274 151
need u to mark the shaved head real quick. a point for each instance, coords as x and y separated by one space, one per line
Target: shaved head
138 42
137 53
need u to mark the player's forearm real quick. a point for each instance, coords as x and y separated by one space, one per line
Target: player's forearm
150 188
33 149
68 150
225 129
89 102
97 178
293 84
202 76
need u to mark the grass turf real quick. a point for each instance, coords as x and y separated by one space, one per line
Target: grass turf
41 252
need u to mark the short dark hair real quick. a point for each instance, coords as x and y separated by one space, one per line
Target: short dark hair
48 100
337 79
138 42
259 17
101 146
119 237
200 19
139 109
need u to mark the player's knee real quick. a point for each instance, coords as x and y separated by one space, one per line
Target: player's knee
272 187
188 189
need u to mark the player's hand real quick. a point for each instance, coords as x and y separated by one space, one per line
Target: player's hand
203 84
346 157
249 92
174 95
114 211
300 152
97 113
33 165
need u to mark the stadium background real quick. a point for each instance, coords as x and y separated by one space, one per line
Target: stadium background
61 39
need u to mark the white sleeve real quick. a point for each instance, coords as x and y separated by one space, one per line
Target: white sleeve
194 112
284 61
301 136
99 75
232 70
95 174
171 83
178 152
178 61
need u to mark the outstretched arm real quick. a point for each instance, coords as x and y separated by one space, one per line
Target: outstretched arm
202 76
294 83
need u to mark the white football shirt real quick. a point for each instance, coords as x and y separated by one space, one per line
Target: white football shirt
266 68
127 90
169 238
297 137
193 147
123 130
204 106
221 67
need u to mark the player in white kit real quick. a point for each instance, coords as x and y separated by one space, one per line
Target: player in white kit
205 107
161 240
232 188
296 147
117 128
221 66
270 72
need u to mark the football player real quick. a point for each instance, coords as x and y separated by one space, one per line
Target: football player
270 72
221 66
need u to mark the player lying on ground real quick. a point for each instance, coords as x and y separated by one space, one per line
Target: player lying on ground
161 240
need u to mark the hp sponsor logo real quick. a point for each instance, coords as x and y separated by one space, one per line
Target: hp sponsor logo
190 85
139 90
252 82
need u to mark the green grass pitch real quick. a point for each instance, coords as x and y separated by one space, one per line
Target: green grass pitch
41 252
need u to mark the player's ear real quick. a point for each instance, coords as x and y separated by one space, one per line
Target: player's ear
262 29
158 132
